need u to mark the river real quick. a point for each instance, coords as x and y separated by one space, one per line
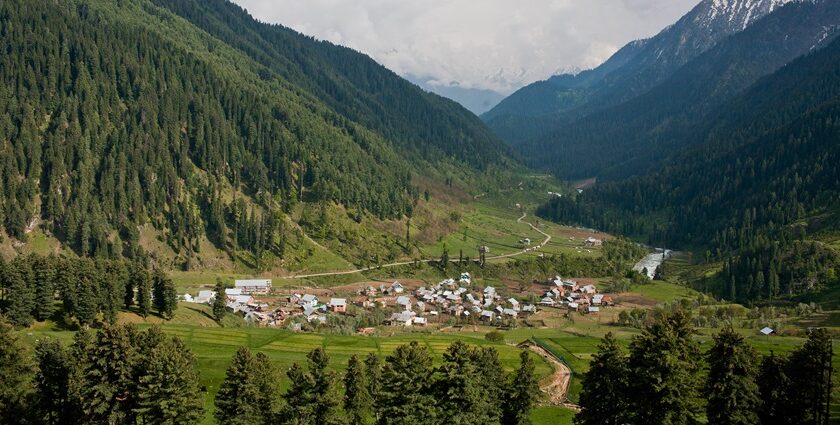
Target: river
652 261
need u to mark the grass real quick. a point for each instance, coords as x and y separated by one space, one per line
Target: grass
663 291
552 415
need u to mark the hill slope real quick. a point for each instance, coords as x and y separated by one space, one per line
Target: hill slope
119 117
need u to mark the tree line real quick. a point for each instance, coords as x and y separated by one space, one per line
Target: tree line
120 375
81 291
667 379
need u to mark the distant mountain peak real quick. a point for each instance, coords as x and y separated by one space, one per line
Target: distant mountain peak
738 14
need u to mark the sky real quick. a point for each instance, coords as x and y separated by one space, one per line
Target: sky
500 45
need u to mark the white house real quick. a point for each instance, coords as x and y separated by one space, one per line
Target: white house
253 286
232 292
205 297
338 305
397 287
404 302
308 300
465 278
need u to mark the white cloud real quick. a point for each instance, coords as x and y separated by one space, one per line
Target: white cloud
490 44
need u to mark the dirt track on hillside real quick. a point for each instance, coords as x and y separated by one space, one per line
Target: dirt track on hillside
557 387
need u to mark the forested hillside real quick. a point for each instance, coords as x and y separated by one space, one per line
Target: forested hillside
631 72
763 180
636 135
116 115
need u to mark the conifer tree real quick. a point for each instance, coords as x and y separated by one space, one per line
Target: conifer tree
219 302
357 399
326 398
142 282
108 396
773 387
52 380
491 378
663 364
235 401
45 277
165 296
373 373
731 391
810 373
461 398
20 301
603 399
15 374
523 394
299 408
168 391
406 392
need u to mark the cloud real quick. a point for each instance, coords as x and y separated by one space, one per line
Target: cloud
488 44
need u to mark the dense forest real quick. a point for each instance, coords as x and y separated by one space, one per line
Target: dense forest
89 291
121 375
765 179
667 378
122 115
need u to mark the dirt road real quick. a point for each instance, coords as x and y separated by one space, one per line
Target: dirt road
405 263
557 386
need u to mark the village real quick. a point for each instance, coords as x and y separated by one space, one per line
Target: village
451 300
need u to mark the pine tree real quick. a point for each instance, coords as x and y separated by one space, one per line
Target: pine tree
773 387
731 392
491 377
663 364
219 302
142 281
373 373
45 277
325 394
809 370
461 398
603 399
165 296
299 408
108 396
168 391
524 391
80 351
357 399
235 401
20 301
15 374
406 391
53 382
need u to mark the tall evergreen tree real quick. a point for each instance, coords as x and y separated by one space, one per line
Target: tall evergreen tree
663 364
603 399
491 378
809 370
235 401
773 387
20 298
523 394
168 391
108 395
326 398
165 295
52 380
45 277
15 374
406 392
731 391
373 372
219 301
357 400
142 282
299 408
461 399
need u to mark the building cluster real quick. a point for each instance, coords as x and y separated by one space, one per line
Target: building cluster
569 294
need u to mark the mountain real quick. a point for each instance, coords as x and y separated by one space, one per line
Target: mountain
635 135
763 181
477 101
184 124
632 71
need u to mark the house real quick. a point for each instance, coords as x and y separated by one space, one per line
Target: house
404 302
253 286
370 291
397 288
548 301
488 315
510 312
573 306
767 331
592 242
514 304
589 289
465 278
232 292
338 305
570 285
241 299
531 309
597 299
607 301
594 310
205 297
308 300
420 321
187 298
405 318
310 313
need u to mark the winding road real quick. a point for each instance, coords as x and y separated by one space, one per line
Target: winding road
406 263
